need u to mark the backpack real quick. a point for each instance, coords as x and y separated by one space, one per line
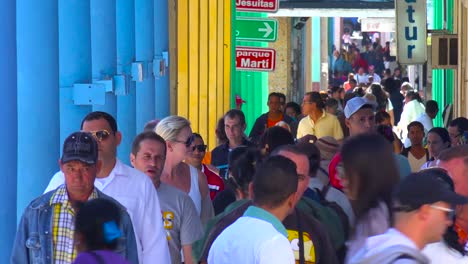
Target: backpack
392 254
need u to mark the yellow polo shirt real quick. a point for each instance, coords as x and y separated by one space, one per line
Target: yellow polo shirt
326 125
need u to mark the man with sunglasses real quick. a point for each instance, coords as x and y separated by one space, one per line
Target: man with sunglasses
423 209
128 186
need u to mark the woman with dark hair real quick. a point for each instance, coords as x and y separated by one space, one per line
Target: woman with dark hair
370 173
382 99
452 248
97 233
438 139
196 159
274 137
383 118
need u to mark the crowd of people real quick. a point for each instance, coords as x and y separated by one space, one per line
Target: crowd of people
345 177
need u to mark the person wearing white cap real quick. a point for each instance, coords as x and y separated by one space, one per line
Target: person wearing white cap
359 113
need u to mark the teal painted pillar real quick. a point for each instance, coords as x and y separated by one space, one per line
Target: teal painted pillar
103 48
38 97
144 50
8 117
126 99
161 48
316 49
74 61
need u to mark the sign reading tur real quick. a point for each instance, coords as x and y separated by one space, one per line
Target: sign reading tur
255 59
253 29
257 5
411 31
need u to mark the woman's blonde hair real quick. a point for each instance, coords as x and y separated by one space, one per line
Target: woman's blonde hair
170 127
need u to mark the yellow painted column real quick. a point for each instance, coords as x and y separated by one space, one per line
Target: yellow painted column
202 78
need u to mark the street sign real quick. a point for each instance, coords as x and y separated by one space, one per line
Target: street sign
254 29
255 59
257 5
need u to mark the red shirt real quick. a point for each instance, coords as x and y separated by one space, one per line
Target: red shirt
333 172
215 183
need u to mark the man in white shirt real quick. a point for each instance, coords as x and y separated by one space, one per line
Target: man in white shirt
361 76
423 209
428 116
131 188
376 77
259 236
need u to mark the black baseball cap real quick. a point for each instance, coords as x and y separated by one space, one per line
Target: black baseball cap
80 146
425 187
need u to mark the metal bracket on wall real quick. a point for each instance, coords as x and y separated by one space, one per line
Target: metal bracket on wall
141 70
91 93
160 64
121 84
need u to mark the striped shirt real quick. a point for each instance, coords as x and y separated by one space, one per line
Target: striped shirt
63 225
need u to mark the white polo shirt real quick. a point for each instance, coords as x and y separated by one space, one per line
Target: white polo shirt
136 192
256 237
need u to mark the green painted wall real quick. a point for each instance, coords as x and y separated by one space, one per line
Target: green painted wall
251 86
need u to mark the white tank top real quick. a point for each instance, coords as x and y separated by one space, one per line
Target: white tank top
194 192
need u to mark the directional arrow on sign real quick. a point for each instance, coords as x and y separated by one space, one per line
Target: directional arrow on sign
267 29
256 29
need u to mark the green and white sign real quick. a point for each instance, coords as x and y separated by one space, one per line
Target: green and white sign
256 29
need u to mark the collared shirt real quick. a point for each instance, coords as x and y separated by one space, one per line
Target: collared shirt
326 125
136 192
220 156
63 225
256 237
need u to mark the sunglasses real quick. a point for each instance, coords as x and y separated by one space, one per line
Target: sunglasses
450 213
188 142
200 148
100 135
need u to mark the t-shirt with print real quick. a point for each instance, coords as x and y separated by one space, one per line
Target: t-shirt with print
181 221
317 244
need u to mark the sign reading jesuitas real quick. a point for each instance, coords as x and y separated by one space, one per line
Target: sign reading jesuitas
270 6
255 59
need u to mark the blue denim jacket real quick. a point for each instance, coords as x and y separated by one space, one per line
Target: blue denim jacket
33 243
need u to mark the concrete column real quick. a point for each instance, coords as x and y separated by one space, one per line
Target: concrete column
103 48
325 49
8 117
161 44
126 104
74 61
144 52
38 97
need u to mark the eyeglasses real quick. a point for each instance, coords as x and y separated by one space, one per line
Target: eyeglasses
100 135
188 142
200 148
448 211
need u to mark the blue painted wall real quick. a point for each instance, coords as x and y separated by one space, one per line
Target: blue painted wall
47 49
8 119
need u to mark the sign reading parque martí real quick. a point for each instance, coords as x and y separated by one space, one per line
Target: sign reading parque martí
255 59
270 6
254 29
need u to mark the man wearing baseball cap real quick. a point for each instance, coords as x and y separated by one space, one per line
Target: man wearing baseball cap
423 209
46 231
359 114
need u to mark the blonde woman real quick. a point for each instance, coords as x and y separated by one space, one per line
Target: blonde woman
177 132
